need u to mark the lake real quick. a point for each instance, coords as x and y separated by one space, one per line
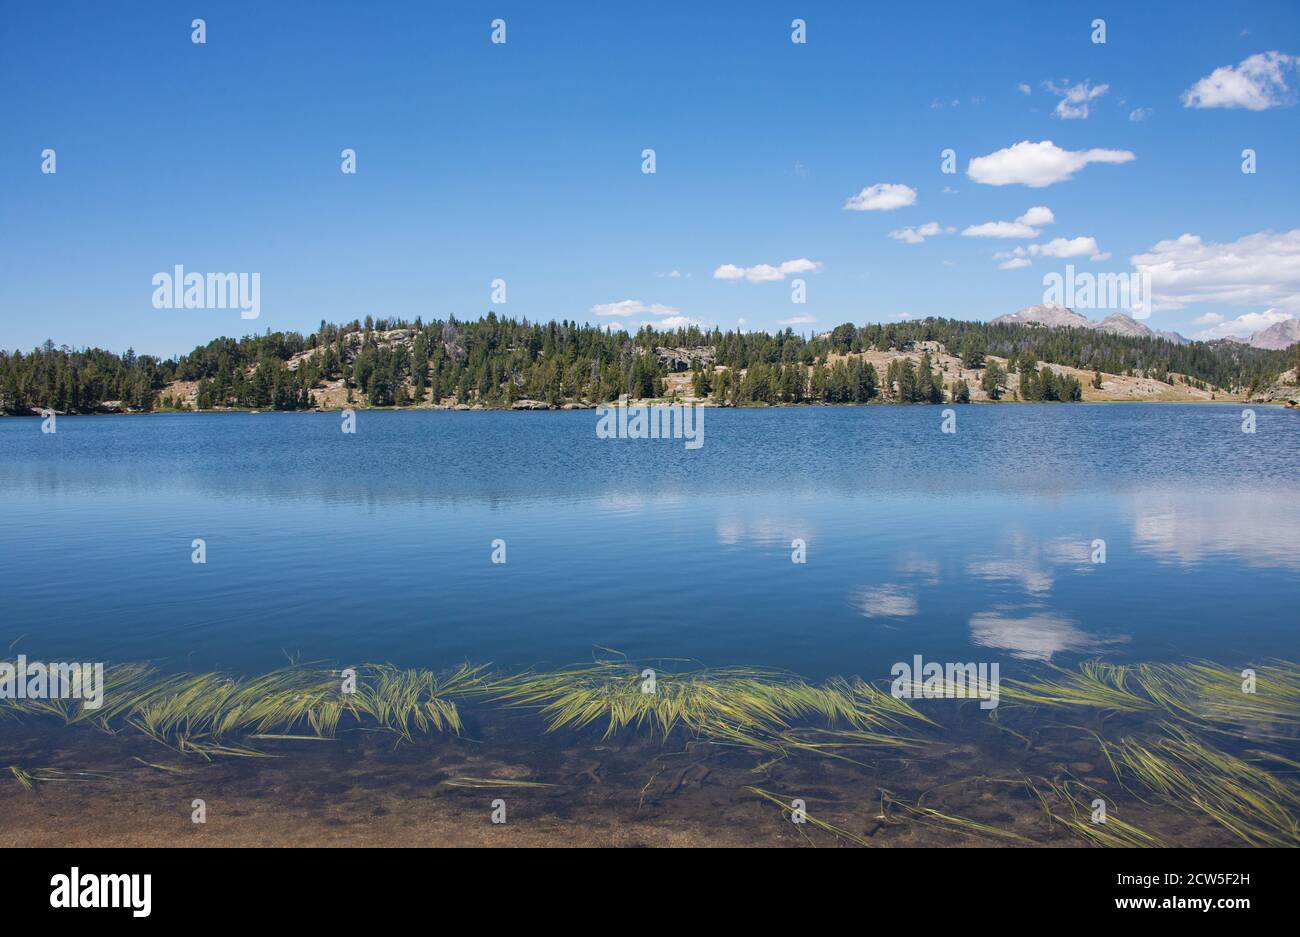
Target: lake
799 544
378 545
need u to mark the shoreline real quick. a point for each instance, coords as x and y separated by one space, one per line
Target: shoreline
663 402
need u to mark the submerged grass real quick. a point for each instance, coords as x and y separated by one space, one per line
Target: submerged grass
1173 764
29 779
1201 694
1179 770
492 784
933 817
1096 684
1165 758
1215 697
211 714
788 809
765 711
1069 804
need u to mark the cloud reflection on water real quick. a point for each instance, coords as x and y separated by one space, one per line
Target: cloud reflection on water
1256 526
1034 633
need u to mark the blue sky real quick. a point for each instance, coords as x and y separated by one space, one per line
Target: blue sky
523 161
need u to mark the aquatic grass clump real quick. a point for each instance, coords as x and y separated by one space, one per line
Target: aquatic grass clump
1215 697
1199 693
1181 771
213 713
1096 684
419 700
745 706
198 712
1174 765
274 705
868 708
125 687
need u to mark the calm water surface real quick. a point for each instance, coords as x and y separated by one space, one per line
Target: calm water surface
377 546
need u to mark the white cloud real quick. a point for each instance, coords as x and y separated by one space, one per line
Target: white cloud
1026 226
1072 247
764 273
920 233
1076 100
1242 326
801 265
1037 216
1256 84
1038 164
907 235
675 322
1000 229
884 196
767 273
631 307
1140 114
1210 318
1057 247
1024 88
798 320
673 275
1260 270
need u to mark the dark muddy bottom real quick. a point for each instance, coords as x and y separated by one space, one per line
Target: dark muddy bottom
369 788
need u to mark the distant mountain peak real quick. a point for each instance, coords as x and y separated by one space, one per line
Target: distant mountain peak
1048 314
1277 336
1117 323
1055 317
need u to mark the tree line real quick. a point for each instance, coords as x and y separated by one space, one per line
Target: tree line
496 361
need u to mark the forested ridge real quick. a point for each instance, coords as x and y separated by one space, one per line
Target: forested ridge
496 361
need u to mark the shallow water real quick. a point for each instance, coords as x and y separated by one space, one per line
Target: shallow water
364 788
977 546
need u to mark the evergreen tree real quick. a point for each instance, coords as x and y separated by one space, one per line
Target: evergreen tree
994 381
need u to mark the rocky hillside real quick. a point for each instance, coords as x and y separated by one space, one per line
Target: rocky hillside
1286 389
1277 336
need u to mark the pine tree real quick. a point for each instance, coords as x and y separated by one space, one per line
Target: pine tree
994 381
